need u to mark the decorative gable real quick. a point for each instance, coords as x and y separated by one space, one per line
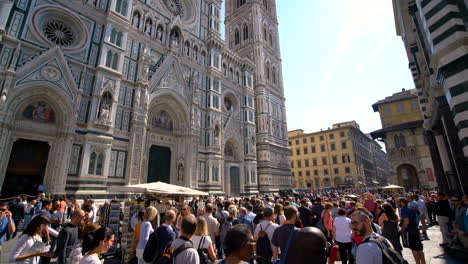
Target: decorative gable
51 67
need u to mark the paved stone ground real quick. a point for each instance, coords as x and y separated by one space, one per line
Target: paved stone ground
434 253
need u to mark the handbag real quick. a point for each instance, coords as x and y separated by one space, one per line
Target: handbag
283 258
204 259
335 253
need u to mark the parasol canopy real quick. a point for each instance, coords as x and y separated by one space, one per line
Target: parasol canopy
392 187
158 188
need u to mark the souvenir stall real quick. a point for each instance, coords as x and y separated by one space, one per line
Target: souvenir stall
160 195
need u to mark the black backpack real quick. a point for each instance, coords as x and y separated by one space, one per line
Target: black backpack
203 253
389 254
169 255
151 249
263 247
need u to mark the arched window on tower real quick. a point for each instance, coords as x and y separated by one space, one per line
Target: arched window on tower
273 74
271 38
265 33
240 3
96 161
396 139
231 73
267 70
265 3
225 70
246 32
203 57
236 37
402 141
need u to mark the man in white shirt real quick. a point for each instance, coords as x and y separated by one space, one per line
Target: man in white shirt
267 226
250 215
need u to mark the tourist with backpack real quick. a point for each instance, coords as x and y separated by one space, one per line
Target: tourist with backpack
227 225
410 230
203 243
374 248
181 250
160 238
282 234
263 234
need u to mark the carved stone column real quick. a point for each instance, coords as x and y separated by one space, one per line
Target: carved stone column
138 137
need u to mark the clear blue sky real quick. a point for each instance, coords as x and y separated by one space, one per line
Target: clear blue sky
339 57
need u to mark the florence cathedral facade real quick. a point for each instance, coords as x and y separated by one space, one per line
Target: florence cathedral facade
106 93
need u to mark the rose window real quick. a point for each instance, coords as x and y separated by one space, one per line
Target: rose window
174 6
58 32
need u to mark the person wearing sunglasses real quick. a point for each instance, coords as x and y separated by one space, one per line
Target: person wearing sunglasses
6 223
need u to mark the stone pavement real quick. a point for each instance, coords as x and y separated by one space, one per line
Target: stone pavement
434 253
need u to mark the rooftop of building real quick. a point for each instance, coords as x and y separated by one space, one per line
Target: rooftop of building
400 96
409 125
336 126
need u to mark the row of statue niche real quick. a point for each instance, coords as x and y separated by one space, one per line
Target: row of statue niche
148 26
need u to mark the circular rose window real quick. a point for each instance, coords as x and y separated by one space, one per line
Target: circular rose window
175 7
58 32
59 27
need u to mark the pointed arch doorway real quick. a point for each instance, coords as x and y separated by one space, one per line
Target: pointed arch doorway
232 169
26 167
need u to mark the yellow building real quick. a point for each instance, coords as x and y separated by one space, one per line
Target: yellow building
339 157
405 140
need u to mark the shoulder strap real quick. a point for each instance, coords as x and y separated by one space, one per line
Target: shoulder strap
185 246
285 254
202 240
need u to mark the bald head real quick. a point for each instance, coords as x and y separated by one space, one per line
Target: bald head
312 245
77 216
169 217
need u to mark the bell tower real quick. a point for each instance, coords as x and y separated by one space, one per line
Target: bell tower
252 32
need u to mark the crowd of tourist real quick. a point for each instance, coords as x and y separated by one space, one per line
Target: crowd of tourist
355 227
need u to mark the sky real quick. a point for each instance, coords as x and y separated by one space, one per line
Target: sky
339 57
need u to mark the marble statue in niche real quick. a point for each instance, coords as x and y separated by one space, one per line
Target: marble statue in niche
159 33
105 108
174 38
40 112
180 172
162 120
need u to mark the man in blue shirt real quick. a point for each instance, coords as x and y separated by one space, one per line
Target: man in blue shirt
6 223
410 228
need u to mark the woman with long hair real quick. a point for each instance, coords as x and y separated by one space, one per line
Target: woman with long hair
279 212
184 211
29 246
145 231
201 239
389 223
95 243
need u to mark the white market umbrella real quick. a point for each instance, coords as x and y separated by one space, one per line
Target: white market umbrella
392 187
158 188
